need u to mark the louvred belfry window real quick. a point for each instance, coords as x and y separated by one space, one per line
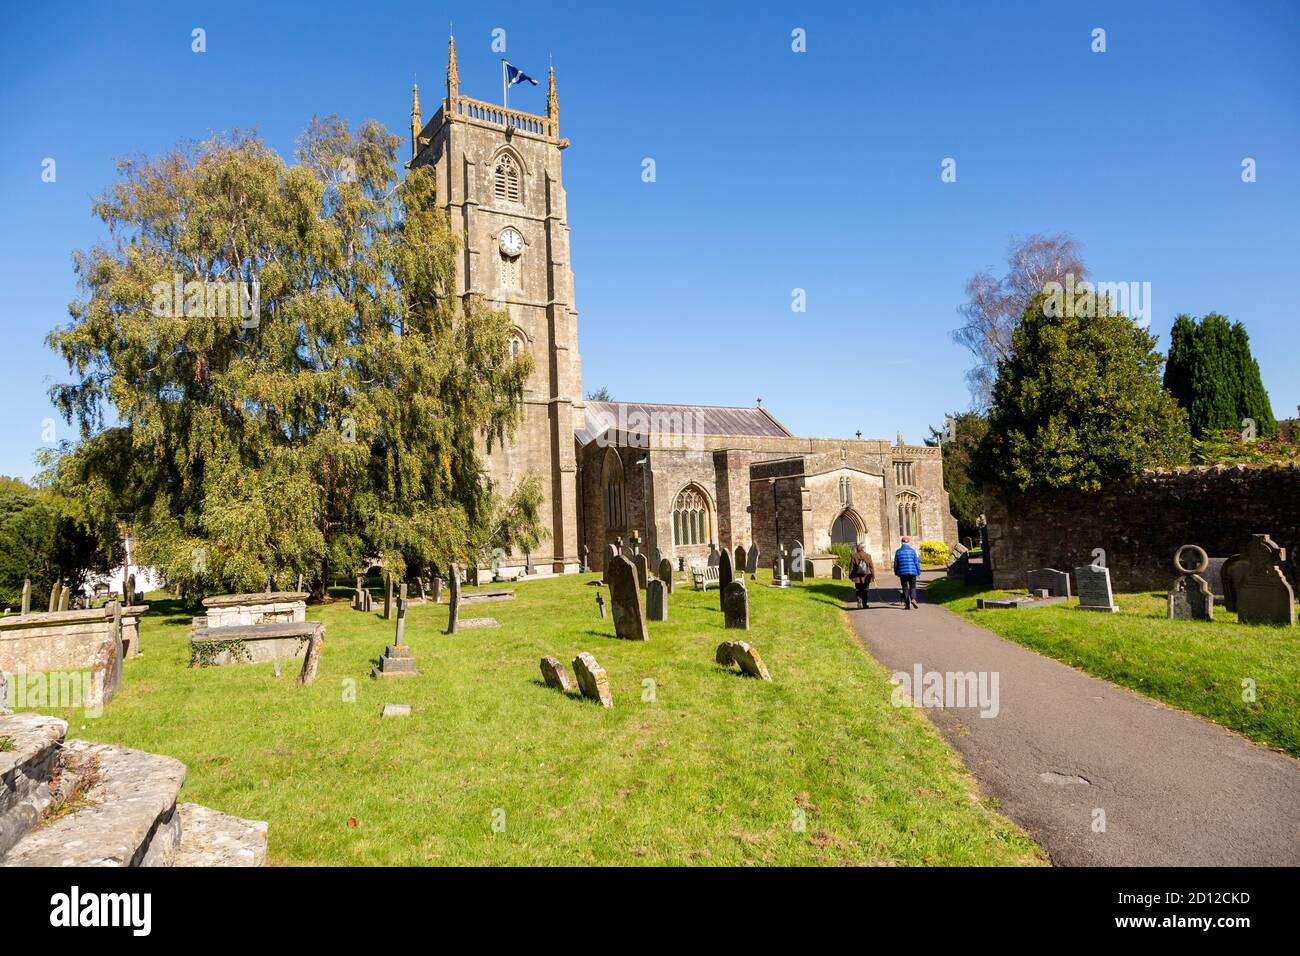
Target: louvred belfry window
506 179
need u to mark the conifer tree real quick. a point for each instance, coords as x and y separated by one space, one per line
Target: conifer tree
1212 374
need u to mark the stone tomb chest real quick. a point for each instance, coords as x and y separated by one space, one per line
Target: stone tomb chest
272 607
67 642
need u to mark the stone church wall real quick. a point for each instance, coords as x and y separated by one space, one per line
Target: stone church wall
1141 522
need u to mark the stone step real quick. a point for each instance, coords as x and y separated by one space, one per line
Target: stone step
30 748
212 838
125 814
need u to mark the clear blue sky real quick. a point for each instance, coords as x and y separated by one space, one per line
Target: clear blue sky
775 170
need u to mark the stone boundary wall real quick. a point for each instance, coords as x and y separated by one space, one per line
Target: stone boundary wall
1141 522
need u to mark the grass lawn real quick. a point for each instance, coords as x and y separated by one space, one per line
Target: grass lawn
710 768
1197 666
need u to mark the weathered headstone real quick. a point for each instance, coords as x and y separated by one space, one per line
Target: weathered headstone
311 660
722 655
556 675
666 573
27 596
1233 573
453 612
1093 584
656 601
1055 583
725 577
1265 596
959 562
396 710
796 562
1190 597
65 598
584 568
54 596
714 555
1213 575
600 603
398 660
388 595
735 606
612 551
400 637
745 657
751 560
837 573
437 590
625 600
642 565
592 679
738 560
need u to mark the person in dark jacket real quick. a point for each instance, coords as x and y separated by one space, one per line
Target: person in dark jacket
907 566
862 571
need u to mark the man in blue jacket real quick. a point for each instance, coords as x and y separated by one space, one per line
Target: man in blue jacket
907 566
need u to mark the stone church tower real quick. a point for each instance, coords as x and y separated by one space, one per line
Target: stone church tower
499 181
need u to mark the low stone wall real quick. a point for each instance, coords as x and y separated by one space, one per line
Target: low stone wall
250 643
273 607
1141 522
65 642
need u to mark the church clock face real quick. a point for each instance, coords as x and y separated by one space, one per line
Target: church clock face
512 243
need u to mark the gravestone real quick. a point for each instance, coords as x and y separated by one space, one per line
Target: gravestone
1213 575
1055 583
625 600
1265 595
592 679
738 561
1190 597
54 596
388 595
1233 573
796 561
311 660
666 574
837 573
556 675
600 604
1094 589
714 555
65 596
584 568
722 655
735 606
751 560
779 579
656 601
453 598
745 657
642 565
725 577
396 710
27 596
959 562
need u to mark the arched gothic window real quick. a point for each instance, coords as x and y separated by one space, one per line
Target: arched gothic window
505 179
909 514
615 504
691 519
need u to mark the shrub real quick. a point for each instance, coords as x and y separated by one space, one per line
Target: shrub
934 552
843 554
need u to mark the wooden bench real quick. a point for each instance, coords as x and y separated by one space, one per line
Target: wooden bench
704 576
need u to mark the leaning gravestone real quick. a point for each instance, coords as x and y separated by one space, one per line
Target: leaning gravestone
625 600
453 598
666 574
1190 597
745 657
751 560
725 576
796 561
1055 583
556 675
959 562
311 660
656 601
642 564
592 680
1093 584
1265 596
735 606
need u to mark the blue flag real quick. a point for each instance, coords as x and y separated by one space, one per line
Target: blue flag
515 76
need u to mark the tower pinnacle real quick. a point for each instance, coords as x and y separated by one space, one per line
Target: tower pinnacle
453 75
415 119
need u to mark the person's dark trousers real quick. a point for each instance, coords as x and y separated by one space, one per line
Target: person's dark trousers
864 592
908 588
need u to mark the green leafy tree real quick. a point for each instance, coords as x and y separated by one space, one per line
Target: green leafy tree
41 542
336 413
961 437
599 395
517 522
1078 404
1213 375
